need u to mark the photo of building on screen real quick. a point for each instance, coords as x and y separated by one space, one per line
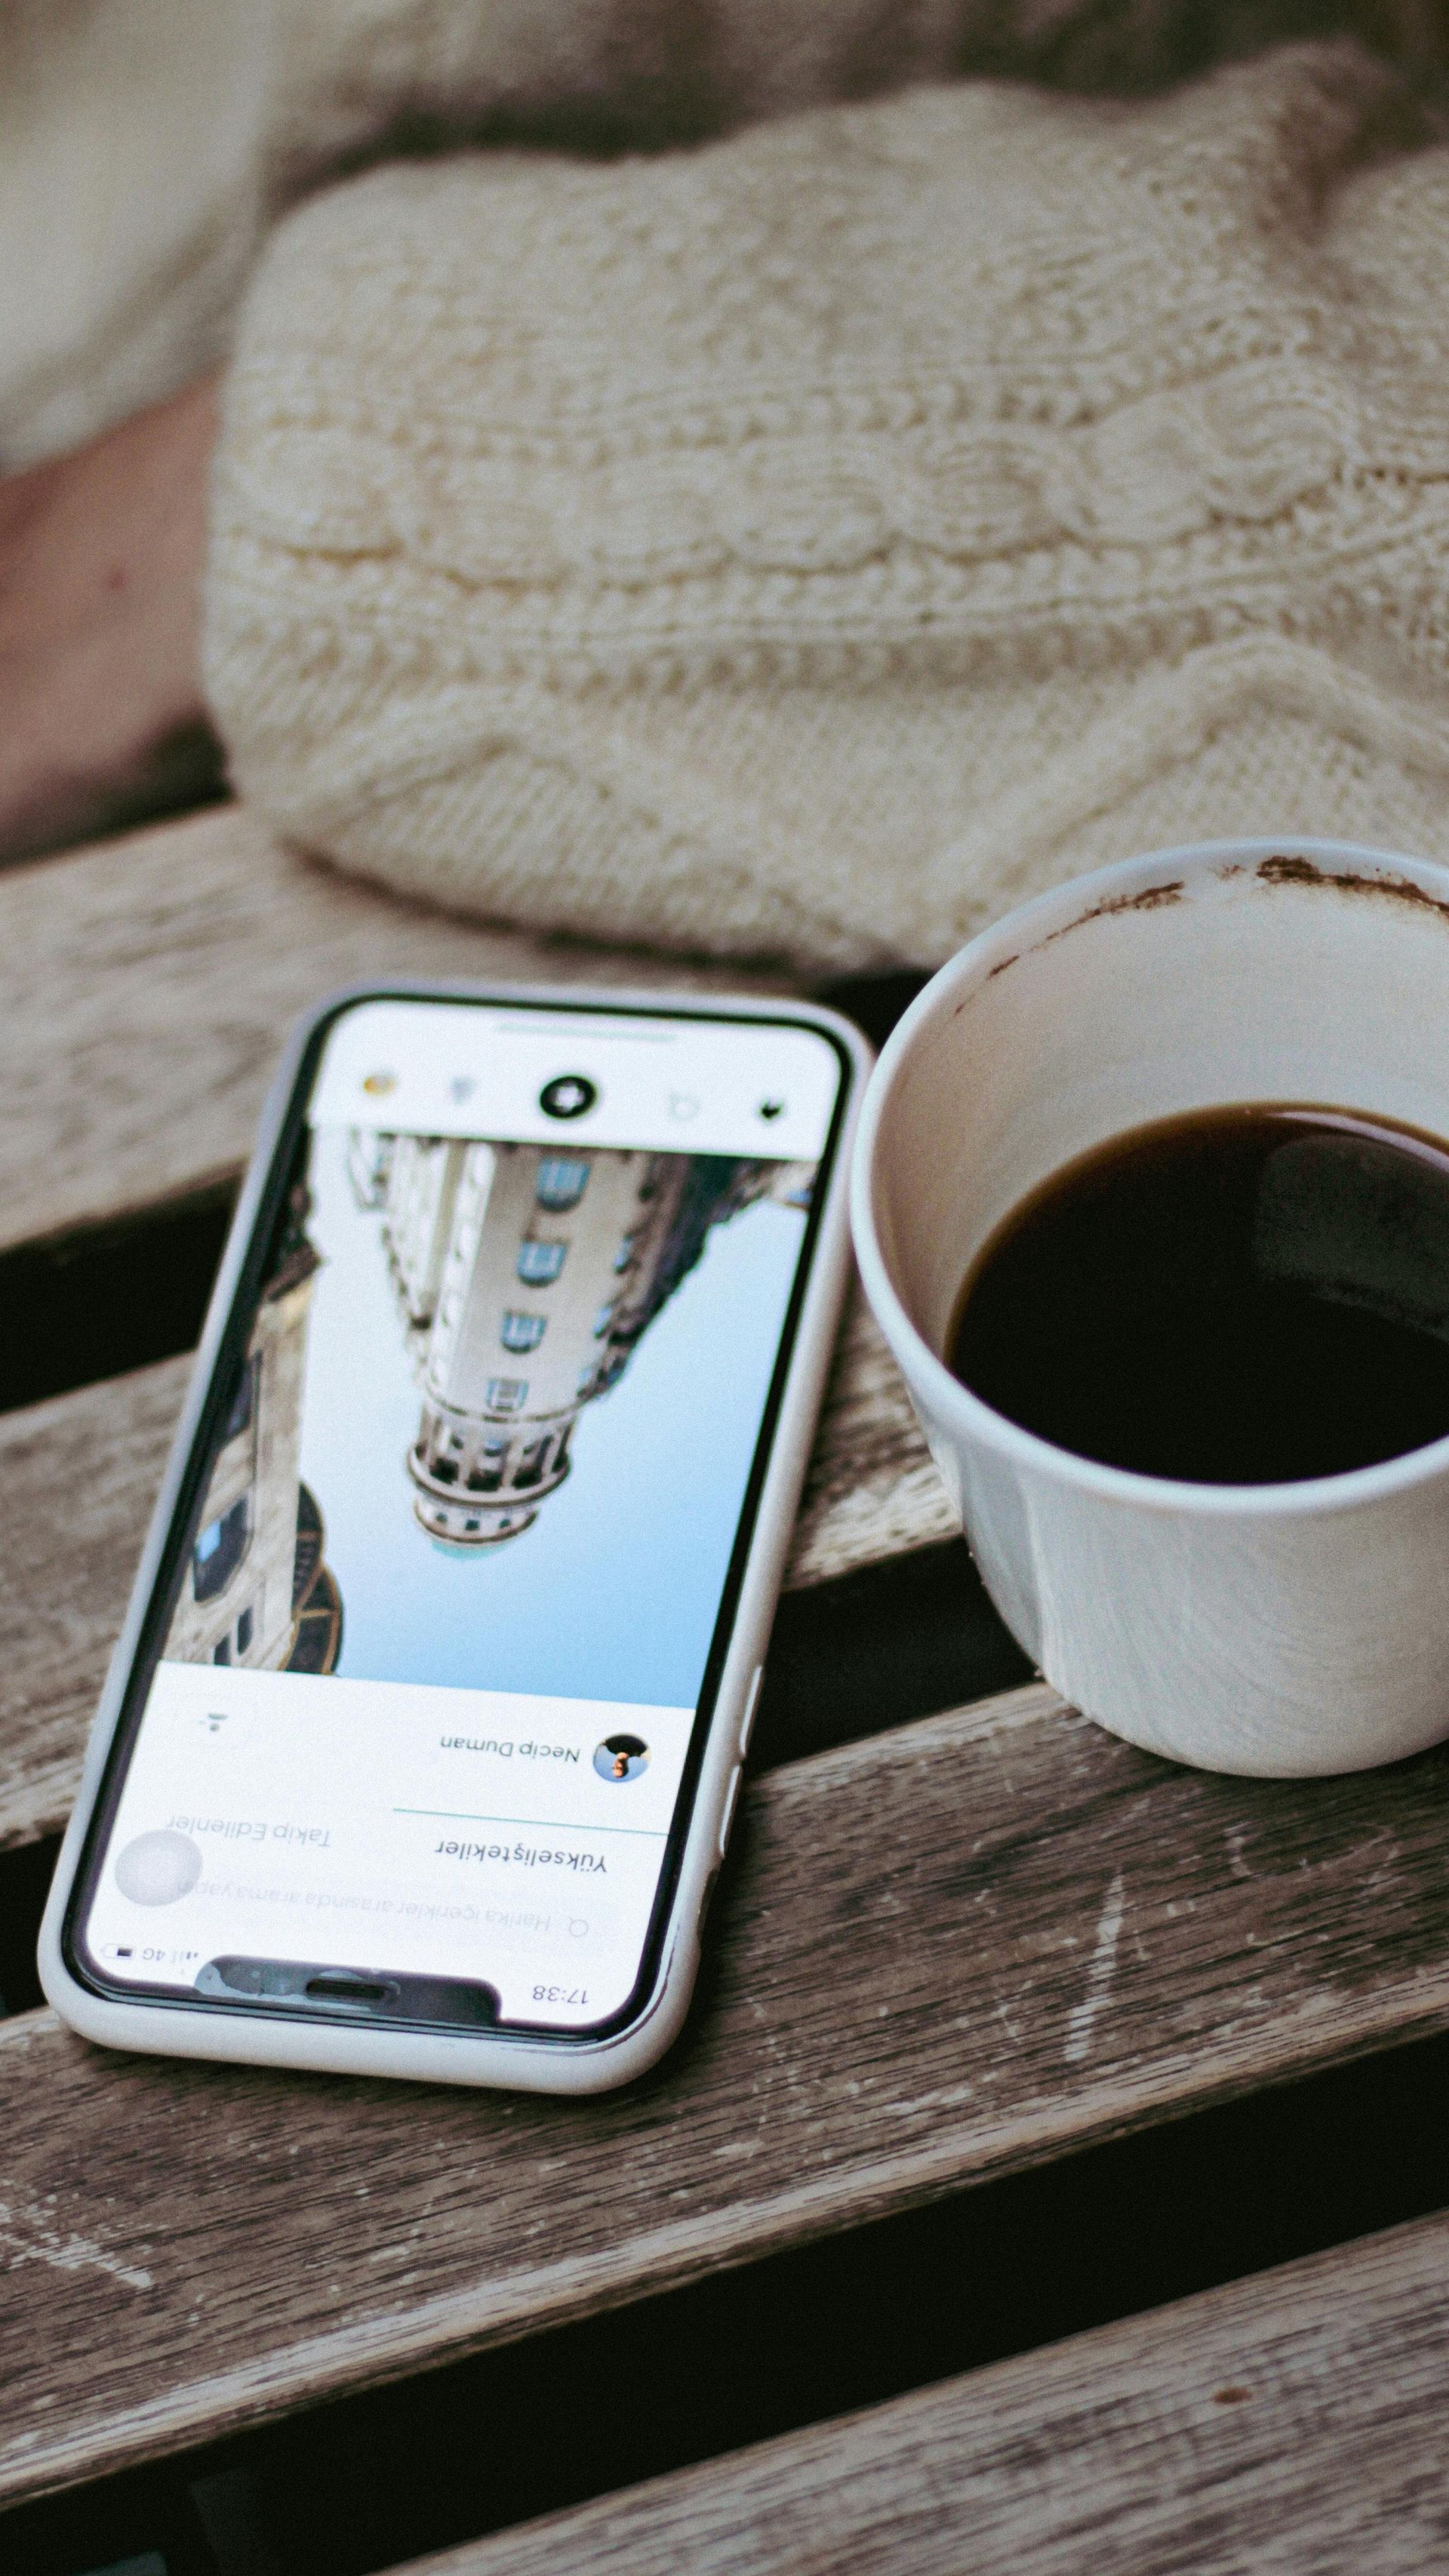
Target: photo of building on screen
257 1591
525 1279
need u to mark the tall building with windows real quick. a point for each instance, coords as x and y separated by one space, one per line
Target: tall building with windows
415 1179
525 1277
257 1591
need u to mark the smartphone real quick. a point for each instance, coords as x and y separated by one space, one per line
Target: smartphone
421 1746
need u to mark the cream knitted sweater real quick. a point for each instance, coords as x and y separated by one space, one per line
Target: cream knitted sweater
813 543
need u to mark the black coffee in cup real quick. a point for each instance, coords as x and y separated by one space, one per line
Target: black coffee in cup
1239 1296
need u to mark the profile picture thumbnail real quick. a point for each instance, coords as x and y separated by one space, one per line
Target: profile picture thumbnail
158 1868
621 1757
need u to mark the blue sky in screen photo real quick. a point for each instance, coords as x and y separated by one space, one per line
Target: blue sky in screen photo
612 1593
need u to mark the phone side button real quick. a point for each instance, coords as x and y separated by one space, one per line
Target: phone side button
732 1800
752 1702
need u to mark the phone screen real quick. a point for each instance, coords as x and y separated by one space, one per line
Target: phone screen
441 1629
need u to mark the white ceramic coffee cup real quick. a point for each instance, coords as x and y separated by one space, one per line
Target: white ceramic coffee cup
1277 1629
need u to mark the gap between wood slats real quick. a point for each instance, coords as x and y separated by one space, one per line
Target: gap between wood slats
102 1301
796 2340
1295 2420
970 1946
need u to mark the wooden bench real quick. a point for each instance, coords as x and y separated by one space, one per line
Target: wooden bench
957 1949
1294 2422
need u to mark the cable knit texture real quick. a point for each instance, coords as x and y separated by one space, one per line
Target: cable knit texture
815 542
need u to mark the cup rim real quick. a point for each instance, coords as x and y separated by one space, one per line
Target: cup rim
968 1415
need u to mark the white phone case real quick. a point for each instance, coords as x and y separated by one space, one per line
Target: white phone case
566 2065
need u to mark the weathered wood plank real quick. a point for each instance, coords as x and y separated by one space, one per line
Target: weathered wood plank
146 987
872 1490
78 1476
1296 2422
962 1947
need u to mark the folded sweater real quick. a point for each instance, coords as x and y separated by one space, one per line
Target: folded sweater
814 542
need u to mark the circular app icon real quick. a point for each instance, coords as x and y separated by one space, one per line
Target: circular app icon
158 1868
621 1757
569 1095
